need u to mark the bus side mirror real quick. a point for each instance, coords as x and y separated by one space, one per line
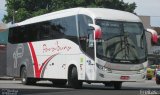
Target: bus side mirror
97 31
154 36
154 39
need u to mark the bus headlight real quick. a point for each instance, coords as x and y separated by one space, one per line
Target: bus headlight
103 68
142 71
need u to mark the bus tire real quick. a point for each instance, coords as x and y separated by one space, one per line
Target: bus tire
117 85
24 79
73 78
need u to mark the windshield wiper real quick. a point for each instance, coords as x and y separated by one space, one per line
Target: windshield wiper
126 46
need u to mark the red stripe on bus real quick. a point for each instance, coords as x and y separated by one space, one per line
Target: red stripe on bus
37 71
45 62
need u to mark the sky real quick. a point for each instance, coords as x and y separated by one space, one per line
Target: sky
2 9
144 7
148 8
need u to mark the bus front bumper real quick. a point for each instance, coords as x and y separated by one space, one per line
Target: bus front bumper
130 76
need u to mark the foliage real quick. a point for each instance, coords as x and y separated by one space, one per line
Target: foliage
20 10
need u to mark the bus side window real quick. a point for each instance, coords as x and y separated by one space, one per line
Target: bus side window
44 31
70 28
64 27
30 33
10 36
15 35
56 29
84 34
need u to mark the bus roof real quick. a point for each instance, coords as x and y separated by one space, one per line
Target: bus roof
95 13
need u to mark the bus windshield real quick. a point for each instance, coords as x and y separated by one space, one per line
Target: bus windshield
122 42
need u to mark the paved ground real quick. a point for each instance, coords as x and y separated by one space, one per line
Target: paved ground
11 87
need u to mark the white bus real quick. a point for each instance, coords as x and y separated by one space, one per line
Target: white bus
93 45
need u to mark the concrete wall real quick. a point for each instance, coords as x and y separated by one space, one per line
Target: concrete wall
146 21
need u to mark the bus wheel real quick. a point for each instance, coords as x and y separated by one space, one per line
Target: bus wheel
117 85
73 78
24 79
59 82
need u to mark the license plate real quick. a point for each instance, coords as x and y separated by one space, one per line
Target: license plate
124 77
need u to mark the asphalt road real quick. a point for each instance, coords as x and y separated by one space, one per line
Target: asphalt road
12 87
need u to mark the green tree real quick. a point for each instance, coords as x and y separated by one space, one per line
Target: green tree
19 10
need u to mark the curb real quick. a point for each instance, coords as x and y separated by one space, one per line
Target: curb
6 78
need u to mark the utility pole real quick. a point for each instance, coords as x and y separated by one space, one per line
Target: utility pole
13 16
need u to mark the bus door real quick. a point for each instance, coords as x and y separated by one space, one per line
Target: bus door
87 59
94 36
90 64
86 45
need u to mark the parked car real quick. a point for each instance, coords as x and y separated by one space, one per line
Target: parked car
158 76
